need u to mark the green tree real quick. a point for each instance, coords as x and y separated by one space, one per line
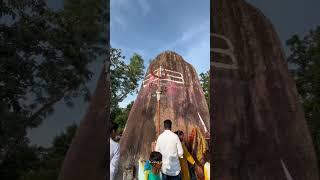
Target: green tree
122 115
44 59
22 158
37 163
305 61
205 83
124 77
50 159
124 81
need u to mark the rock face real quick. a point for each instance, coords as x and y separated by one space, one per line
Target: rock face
86 157
182 101
259 125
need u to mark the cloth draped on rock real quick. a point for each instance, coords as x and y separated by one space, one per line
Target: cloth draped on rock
206 170
198 145
141 169
187 157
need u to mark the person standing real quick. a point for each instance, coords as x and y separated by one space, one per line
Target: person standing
114 151
185 174
169 145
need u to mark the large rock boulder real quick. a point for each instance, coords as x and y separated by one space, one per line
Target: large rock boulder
259 124
182 100
86 157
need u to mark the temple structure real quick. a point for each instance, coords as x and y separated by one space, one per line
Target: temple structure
171 90
259 124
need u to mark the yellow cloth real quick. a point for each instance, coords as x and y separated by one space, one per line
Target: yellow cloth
199 146
187 157
206 170
146 174
141 169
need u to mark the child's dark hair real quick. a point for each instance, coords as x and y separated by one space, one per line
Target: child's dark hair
155 157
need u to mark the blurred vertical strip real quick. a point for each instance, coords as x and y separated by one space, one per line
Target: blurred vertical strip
88 155
211 91
259 125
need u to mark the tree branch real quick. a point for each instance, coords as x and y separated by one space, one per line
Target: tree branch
47 105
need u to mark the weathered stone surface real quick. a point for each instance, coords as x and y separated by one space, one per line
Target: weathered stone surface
181 102
258 122
88 154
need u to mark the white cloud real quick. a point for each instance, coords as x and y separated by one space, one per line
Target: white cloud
198 54
197 50
128 52
117 15
194 46
144 6
193 43
192 32
118 20
120 4
122 10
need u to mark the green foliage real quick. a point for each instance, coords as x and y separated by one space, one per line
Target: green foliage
305 59
50 159
205 83
124 81
26 162
120 115
124 77
45 57
19 159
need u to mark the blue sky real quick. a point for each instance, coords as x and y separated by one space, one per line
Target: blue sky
290 16
183 26
150 27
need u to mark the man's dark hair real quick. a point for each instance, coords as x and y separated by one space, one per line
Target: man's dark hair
167 124
155 156
113 126
179 132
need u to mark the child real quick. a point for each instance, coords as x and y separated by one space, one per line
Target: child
152 170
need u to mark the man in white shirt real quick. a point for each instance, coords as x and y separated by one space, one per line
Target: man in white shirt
169 145
114 151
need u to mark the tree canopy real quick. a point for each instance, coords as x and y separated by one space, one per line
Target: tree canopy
44 59
124 77
205 84
305 61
